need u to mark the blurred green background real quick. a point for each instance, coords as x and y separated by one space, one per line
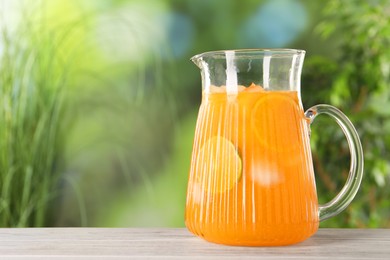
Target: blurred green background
99 102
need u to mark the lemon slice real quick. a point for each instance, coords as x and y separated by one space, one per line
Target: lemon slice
219 165
276 122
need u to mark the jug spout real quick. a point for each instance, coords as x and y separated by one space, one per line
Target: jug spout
272 69
197 60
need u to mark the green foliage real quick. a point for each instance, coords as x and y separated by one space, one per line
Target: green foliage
101 66
358 83
31 94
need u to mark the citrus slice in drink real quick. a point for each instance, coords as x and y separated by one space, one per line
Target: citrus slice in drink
219 165
254 88
276 122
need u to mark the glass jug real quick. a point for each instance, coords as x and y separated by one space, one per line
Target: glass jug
251 179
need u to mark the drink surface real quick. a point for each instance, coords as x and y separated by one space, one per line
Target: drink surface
251 179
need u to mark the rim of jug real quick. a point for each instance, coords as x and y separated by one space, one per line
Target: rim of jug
248 53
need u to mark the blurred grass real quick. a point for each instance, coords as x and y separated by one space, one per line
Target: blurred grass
31 93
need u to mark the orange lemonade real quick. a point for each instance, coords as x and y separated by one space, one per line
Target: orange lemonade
251 180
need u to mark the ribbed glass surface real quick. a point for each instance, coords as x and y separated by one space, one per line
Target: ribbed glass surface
251 180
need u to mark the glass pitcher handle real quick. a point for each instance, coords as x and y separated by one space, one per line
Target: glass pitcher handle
348 192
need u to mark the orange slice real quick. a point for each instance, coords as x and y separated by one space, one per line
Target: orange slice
275 122
219 165
254 88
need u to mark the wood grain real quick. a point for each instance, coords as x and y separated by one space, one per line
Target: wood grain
178 243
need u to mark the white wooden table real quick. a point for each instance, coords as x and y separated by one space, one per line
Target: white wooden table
178 243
